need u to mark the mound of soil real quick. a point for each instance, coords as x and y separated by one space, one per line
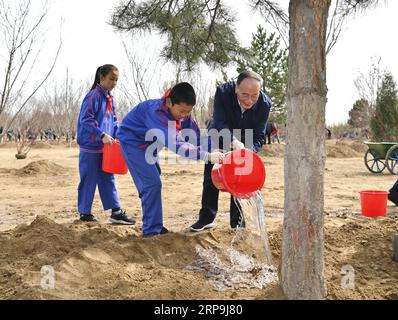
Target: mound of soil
8 145
346 149
359 146
41 167
96 262
273 150
41 145
101 262
334 149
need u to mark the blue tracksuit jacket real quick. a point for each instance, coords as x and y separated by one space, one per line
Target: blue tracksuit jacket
94 120
153 114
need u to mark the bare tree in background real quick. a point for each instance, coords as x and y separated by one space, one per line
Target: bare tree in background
64 105
27 127
22 47
73 98
204 90
368 84
140 73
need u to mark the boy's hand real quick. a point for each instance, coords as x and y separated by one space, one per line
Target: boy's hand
107 139
216 157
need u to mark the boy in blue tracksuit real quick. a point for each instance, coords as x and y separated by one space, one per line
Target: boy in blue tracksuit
97 126
145 130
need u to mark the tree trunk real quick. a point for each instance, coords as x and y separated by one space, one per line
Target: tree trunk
302 273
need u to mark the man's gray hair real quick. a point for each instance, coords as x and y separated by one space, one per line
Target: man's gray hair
249 74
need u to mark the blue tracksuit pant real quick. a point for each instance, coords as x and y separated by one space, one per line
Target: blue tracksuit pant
91 175
147 180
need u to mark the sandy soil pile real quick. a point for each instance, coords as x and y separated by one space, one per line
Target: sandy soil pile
7 145
273 150
41 167
345 149
41 145
334 149
107 262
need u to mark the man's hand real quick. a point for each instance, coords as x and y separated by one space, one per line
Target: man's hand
216 157
107 139
237 145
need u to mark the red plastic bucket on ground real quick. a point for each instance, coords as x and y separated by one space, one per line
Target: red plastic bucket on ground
373 203
242 173
112 160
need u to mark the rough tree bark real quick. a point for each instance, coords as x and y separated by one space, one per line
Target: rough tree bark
302 273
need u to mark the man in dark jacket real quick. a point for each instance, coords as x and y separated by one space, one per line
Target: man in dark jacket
240 108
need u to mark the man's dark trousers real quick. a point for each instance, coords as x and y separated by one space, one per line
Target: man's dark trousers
210 201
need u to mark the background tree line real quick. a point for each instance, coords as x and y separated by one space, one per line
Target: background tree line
375 114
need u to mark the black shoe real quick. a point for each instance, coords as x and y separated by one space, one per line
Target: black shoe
120 217
152 234
87 218
202 225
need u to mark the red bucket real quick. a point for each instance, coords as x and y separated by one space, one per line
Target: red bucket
373 203
241 174
112 160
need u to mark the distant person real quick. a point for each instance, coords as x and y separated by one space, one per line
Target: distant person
166 116
272 132
329 133
96 127
10 134
238 106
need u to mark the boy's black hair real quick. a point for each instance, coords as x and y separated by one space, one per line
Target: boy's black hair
102 71
183 93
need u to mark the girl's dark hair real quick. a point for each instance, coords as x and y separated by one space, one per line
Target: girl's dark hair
183 93
102 71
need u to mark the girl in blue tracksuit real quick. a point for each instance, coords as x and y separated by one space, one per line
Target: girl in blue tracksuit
97 126
146 129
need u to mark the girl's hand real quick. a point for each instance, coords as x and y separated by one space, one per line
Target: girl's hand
107 139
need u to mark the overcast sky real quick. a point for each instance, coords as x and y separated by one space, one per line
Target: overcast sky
88 41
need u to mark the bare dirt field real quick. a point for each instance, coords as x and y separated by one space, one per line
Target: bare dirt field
39 227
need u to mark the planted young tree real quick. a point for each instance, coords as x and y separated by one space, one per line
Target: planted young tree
384 123
27 127
267 57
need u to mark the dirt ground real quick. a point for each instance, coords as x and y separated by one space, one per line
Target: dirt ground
39 227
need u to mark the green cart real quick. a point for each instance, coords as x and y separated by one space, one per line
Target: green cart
381 155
